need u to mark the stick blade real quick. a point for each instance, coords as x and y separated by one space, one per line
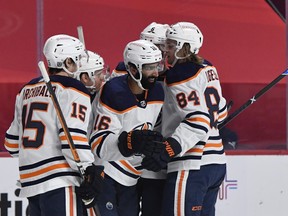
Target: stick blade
285 72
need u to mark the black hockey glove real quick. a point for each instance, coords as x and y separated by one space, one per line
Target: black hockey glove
155 162
138 142
92 185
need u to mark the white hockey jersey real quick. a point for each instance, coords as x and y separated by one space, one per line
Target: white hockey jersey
118 110
193 106
37 138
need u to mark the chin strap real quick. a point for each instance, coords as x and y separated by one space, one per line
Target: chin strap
178 57
138 81
71 74
140 85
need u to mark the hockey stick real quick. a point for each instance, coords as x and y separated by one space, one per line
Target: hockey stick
253 99
229 105
81 35
81 38
63 122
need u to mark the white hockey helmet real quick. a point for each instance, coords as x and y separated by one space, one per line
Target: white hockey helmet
155 33
90 63
141 52
60 47
186 32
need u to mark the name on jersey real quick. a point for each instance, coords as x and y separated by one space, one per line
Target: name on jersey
41 91
211 75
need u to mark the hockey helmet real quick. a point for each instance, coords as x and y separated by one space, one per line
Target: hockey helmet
155 33
60 47
186 32
141 52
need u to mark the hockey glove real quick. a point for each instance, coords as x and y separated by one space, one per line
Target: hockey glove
137 142
92 185
155 162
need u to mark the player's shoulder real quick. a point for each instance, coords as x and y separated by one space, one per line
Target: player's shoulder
121 66
35 80
181 72
116 94
186 71
206 63
32 82
116 85
69 83
119 70
119 86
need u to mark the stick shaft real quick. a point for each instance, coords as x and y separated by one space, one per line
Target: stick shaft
81 38
253 99
61 117
64 125
81 34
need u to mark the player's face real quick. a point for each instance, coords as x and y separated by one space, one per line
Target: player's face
170 48
99 79
87 81
73 66
149 75
162 48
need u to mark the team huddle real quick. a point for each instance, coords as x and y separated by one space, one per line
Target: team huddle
146 134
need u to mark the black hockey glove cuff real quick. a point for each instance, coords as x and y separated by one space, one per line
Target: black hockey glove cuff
157 161
172 148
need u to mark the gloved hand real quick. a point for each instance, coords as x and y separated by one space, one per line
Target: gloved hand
92 185
152 164
138 142
157 161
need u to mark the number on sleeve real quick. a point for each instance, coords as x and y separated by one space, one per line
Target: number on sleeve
212 101
183 101
78 111
102 123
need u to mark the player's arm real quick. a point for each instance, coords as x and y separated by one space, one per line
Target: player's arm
108 137
223 110
193 128
12 134
196 119
76 114
110 142
105 132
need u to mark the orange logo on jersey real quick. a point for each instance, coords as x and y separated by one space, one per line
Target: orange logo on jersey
145 126
196 208
102 174
129 145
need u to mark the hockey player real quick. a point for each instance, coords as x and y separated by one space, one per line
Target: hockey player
92 72
48 174
127 110
192 85
151 184
93 75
